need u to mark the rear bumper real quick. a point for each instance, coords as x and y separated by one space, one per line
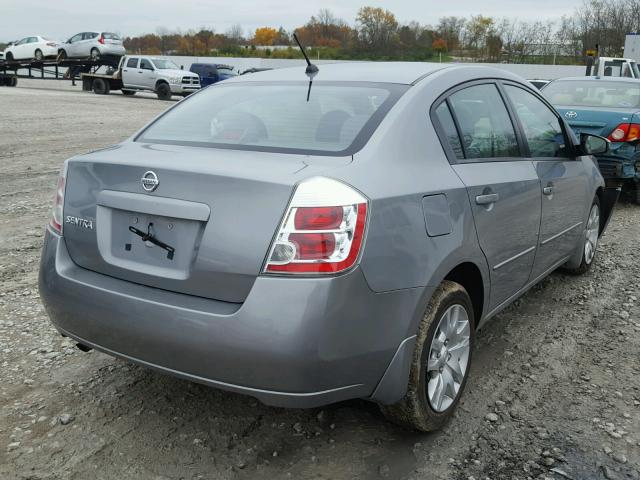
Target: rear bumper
623 165
48 51
117 50
293 342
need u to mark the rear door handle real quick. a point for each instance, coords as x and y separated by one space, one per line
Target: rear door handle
548 190
487 199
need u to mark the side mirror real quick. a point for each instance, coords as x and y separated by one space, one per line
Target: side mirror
593 144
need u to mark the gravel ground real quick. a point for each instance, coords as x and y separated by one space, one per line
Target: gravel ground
553 392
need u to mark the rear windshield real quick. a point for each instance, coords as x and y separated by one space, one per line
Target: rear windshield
594 93
226 71
110 36
338 119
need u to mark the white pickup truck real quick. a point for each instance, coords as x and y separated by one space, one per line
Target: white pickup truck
137 73
615 67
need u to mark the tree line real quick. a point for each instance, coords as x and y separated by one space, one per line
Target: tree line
376 34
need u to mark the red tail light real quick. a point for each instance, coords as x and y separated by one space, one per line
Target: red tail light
58 203
316 239
101 40
318 218
625 132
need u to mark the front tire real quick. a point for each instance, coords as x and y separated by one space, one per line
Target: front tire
163 91
9 57
62 55
441 361
589 240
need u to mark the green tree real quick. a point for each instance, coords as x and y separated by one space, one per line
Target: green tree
377 29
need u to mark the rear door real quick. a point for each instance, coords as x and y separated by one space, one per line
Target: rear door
130 76
503 186
88 41
563 178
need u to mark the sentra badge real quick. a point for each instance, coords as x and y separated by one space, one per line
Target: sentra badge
79 222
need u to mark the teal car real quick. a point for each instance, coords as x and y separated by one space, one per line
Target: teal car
609 107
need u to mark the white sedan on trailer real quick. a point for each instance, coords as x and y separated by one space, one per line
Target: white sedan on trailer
35 47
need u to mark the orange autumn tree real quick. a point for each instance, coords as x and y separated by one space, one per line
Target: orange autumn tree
439 45
265 36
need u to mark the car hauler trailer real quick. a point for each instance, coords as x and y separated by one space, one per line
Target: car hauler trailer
57 69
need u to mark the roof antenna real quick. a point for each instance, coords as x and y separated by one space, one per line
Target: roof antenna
311 70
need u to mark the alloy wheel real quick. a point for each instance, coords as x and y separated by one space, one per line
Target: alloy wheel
593 228
448 358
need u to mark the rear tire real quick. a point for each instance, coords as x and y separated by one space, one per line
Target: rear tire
129 93
101 86
38 55
163 91
636 196
13 82
589 240
434 368
95 54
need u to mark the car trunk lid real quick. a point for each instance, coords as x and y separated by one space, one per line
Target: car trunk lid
596 120
204 229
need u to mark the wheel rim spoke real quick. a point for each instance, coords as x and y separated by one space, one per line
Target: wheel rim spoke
456 369
447 362
591 240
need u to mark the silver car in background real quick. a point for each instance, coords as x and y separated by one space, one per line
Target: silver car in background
92 45
310 243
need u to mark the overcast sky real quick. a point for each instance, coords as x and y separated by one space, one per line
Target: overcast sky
59 19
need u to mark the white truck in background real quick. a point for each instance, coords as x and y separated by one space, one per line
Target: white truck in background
615 67
136 73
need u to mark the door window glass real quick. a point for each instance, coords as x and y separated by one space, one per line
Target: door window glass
541 126
145 64
132 62
89 35
485 126
76 38
449 127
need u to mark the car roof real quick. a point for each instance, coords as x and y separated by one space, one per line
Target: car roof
380 72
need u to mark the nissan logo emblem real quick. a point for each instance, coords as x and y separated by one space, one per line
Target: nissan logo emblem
571 114
149 181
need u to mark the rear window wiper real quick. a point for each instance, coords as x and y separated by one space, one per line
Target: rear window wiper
149 237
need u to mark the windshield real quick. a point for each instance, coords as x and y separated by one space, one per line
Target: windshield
594 93
338 119
164 64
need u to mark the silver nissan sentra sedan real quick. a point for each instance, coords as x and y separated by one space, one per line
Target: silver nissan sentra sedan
306 243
